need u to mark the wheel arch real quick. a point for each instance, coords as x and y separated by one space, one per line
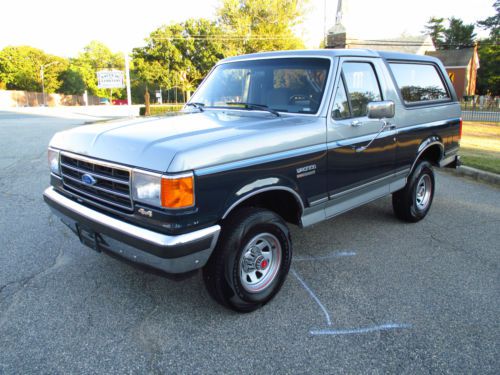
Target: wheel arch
282 200
431 149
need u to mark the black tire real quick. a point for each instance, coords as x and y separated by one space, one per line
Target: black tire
410 204
223 273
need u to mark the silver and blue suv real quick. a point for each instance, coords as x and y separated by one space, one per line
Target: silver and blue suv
267 140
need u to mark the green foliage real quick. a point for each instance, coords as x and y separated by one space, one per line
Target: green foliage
454 36
20 69
260 25
488 80
73 83
81 75
492 23
179 55
157 110
458 34
435 28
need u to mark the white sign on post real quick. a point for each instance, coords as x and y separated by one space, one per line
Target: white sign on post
110 79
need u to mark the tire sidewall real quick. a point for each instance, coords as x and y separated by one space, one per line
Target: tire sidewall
257 224
423 168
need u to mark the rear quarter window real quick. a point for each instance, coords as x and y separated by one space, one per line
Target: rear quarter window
419 83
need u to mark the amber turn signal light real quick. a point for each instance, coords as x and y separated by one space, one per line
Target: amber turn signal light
177 192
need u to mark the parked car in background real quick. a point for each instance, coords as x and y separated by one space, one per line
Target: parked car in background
104 101
268 140
119 101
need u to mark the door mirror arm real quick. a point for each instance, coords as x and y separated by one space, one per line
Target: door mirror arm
385 125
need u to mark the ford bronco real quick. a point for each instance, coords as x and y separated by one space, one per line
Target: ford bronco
267 140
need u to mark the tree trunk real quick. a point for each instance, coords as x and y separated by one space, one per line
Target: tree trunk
146 101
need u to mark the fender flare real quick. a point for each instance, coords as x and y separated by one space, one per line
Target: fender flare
261 190
428 142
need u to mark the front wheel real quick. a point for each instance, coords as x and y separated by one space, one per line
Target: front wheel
413 202
251 260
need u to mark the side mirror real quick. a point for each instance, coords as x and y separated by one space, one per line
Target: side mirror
380 110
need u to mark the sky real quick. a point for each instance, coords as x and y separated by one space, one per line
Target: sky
63 27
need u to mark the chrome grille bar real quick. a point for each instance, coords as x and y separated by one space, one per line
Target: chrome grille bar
111 185
115 180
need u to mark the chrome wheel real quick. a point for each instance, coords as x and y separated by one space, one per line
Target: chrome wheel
260 262
423 192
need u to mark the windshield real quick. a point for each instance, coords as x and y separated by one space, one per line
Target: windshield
286 85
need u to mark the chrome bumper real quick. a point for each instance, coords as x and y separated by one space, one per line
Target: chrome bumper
172 254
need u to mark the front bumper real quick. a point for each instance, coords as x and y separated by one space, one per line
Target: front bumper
171 254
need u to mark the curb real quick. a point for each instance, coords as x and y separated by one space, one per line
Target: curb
478 175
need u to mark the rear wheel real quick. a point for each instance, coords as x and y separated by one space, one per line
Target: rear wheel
412 203
251 260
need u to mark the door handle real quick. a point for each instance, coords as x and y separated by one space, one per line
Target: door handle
356 123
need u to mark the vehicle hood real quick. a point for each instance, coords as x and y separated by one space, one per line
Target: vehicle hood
191 141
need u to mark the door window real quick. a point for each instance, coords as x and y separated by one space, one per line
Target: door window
361 87
341 104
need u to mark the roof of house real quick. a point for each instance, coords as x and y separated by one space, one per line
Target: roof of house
453 57
415 44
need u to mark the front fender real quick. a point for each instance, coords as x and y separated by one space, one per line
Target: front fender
252 188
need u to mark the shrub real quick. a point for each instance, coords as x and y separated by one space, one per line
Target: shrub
156 110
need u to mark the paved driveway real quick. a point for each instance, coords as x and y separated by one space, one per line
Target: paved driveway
367 293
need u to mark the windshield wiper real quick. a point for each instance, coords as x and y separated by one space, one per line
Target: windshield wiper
196 105
252 106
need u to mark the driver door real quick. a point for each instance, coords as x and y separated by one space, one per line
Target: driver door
356 175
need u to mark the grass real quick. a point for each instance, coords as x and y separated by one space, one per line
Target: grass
480 146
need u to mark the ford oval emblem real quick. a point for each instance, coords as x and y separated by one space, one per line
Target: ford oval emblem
88 179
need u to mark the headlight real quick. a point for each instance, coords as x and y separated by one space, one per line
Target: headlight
53 156
146 187
173 192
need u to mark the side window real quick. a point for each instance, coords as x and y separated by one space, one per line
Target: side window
419 82
341 105
362 86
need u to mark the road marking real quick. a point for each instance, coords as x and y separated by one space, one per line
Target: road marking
326 257
347 331
383 327
327 316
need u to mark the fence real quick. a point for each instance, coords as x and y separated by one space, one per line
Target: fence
13 98
489 112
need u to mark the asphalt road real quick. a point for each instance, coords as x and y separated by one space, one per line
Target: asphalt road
367 293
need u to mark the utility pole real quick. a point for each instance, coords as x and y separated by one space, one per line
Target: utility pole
42 67
127 80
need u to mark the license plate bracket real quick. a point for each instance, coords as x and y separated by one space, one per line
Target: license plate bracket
89 238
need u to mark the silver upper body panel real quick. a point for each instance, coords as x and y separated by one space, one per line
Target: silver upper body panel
218 136
192 141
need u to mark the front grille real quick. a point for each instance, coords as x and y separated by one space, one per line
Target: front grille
111 188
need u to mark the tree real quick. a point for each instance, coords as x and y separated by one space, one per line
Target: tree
458 35
20 69
81 75
488 79
454 36
179 55
492 23
435 28
260 25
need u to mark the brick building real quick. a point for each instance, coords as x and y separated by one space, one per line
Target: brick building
461 65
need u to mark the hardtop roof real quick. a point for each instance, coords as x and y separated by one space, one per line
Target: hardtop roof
334 53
